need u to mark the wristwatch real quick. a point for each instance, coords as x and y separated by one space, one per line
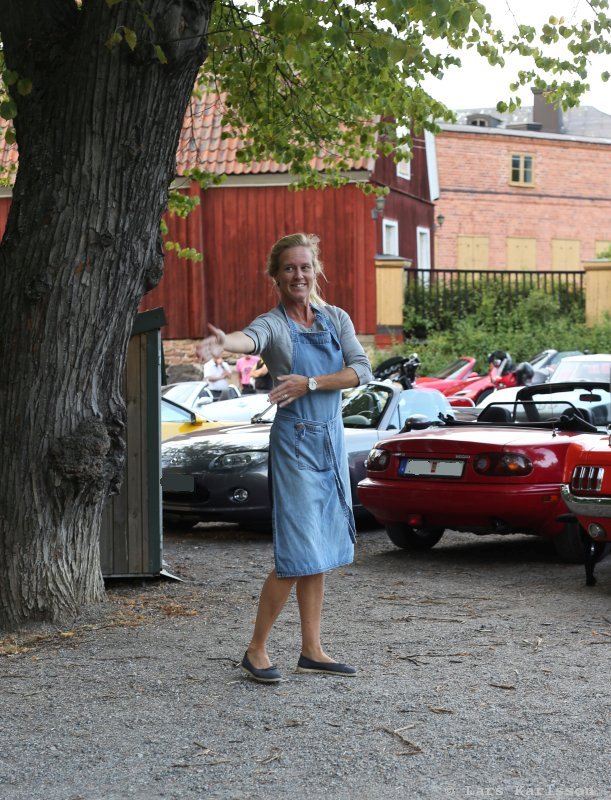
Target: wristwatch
312 384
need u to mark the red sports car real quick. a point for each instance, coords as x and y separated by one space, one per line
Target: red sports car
587 494
501 473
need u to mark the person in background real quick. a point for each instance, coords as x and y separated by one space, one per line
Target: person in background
263 380
311 351
217 372
245 366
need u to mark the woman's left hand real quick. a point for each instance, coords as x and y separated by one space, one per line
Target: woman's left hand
289 388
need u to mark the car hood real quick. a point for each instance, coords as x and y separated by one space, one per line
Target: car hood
196 450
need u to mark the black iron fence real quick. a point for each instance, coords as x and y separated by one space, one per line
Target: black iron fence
444 293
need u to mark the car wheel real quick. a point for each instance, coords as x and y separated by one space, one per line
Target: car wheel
569 544
413 538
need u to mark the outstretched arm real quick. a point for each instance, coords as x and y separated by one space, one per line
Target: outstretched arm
219 341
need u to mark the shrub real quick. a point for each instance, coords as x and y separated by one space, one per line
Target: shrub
486 319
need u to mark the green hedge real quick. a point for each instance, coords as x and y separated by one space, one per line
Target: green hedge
487 320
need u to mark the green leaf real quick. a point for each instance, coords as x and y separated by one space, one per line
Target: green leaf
8 109
24 86
10 77
161 56
441 7
605 77
130 38
115 38
10 136
460 19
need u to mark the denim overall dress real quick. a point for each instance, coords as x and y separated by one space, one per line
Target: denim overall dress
312 516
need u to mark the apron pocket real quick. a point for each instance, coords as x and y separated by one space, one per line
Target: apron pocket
311 447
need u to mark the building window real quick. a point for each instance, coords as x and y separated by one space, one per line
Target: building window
390 237
404 167
522 169
404 170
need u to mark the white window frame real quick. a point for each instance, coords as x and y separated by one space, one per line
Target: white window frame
390 233
404 168
423 254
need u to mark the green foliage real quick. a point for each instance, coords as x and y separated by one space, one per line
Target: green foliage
187 253
526 323
341 81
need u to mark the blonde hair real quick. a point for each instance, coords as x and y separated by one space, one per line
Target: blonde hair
298 240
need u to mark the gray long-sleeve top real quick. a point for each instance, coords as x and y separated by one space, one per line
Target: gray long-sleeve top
272 339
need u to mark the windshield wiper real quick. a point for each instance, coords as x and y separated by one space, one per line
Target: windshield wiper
259 417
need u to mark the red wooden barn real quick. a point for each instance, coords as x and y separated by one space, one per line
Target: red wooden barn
364 251
364 255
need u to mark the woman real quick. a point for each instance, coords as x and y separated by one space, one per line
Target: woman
312 353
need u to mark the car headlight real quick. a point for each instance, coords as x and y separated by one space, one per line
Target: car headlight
245 458
502 464
378 459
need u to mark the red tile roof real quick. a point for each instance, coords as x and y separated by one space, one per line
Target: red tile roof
201 145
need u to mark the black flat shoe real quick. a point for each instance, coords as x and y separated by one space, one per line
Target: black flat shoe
325 667
267 675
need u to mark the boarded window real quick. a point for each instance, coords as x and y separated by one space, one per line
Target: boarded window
521 253
602 246
472 252
566 254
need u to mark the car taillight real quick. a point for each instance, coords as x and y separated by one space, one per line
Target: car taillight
377 460
502 464
587 479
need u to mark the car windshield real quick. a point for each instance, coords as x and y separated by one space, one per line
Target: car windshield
583 370
188 393
591 405
172 412
364 406
452 370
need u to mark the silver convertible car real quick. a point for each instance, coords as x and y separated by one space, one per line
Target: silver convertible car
221 474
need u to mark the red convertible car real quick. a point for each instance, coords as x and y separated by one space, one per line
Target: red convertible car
500 473
587 494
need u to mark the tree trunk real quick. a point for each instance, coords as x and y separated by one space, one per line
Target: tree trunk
97 140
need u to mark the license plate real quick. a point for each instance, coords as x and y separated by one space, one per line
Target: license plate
430 467
178 483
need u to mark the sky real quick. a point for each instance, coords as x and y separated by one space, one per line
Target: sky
476 84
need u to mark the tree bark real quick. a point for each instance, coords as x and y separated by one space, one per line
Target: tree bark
97 139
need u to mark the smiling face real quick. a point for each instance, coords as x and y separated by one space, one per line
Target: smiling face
296 274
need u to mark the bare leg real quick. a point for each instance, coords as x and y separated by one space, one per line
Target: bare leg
274 594
310 596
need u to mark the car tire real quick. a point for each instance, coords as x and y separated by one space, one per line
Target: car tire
409 538
569 544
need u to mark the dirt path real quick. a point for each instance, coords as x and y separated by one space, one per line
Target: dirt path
484 672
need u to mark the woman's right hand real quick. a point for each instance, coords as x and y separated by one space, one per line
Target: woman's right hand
212 346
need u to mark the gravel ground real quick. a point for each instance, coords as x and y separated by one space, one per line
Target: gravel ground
484 672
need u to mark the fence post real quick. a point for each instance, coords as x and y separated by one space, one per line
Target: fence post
598 289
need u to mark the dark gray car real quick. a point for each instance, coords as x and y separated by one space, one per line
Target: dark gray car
221 474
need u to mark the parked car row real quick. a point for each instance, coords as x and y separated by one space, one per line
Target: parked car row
533 463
